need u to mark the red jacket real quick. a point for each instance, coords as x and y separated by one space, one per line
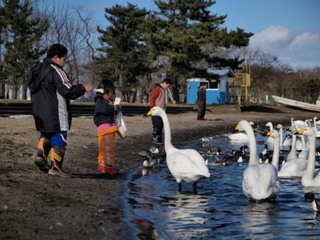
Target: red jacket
158 97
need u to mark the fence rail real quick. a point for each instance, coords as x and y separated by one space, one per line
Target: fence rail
23 107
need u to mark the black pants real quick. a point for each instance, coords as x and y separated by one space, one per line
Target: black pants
202 106
157 122
157 127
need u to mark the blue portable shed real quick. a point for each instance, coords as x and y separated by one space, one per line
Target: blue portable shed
217 93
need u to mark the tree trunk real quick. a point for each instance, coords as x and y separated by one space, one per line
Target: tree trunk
2 91
24 88
14 91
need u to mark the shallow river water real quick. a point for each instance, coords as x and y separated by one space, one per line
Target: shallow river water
219 210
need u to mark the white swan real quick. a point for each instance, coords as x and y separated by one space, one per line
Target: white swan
276 138
294 167
260 181
184 164
293 152
285 142
316 126
240 136
310 178
304 149
298 124
269 140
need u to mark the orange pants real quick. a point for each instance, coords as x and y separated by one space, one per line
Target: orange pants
106 144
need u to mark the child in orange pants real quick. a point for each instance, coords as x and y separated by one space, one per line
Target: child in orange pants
104 118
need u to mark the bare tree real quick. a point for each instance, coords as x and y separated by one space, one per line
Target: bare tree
72 28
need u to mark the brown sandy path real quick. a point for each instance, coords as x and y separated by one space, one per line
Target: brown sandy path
34 205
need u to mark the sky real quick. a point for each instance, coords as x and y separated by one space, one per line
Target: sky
288 29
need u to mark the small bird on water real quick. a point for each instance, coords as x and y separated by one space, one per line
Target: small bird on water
315 205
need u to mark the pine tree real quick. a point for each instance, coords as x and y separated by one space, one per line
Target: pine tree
187 32
123 48
22 32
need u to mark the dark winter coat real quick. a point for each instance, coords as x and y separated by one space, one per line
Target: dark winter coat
51 91
103 112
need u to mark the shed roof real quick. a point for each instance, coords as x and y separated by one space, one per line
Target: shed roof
223 72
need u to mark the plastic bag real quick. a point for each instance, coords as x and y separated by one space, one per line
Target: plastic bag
122 128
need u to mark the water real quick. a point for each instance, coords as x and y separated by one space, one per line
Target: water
219 210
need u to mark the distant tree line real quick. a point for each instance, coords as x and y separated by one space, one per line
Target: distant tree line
133 49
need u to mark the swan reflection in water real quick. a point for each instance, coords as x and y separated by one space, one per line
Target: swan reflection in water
260 217
187 211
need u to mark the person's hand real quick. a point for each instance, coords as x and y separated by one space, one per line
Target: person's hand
88 88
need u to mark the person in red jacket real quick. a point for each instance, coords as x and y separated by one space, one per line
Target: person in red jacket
202 100
158 98
51 91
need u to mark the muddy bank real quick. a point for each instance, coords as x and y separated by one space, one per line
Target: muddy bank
38 206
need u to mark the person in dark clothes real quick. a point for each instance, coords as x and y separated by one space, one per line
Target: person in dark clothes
51 91
201 94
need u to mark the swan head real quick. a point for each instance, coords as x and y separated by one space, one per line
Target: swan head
307 131
279 126
269 124
155 111
273 133
241 125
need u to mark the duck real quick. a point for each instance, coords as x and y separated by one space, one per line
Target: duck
218 162
206 139
150 162
236 155
260 181
210 152
214 154
310 177
311 197
265 155
184 164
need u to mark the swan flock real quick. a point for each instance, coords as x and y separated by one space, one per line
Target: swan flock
260 181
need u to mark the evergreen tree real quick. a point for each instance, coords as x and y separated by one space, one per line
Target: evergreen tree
186 32
22 32
123 47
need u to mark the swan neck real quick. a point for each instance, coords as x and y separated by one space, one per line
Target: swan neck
167 131
294 143
312 155
252 145
281 136
275 157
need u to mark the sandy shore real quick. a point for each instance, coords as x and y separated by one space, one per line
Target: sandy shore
34 205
